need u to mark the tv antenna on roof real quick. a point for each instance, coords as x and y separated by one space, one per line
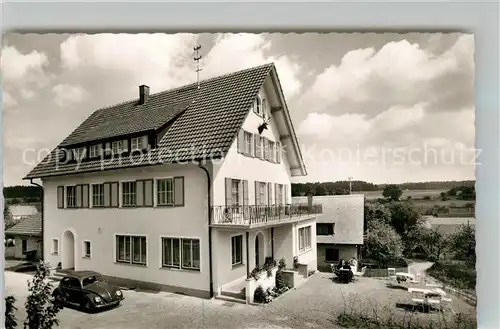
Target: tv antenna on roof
197 58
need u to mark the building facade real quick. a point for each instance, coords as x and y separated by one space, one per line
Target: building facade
184 190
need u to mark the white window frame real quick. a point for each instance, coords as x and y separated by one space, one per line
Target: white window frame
84 249
127 197
247 137
166 193
98 196
304 238
272 150
235 193
142 262
137 141
79 153
94 150
280 194
70 197
258 146
233 252
181 266
262 193
257 106
53 250
117 147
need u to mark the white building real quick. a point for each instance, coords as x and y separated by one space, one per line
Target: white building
178 190
339 229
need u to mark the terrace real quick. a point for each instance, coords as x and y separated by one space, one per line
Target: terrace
262 216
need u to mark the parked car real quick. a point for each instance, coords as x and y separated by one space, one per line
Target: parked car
87 289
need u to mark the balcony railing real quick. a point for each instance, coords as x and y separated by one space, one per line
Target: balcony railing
252 215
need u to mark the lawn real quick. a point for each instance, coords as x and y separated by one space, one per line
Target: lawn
457 274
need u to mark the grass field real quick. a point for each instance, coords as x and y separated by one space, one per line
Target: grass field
406 194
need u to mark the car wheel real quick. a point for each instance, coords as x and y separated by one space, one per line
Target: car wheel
88 306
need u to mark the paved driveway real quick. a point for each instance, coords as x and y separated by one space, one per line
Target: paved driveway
316 304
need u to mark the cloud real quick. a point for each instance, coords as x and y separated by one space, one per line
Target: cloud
399 73
65 95
17 67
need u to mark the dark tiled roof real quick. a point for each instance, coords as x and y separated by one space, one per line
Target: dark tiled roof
29 226
201 123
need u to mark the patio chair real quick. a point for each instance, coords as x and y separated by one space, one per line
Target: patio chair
419 302
363 271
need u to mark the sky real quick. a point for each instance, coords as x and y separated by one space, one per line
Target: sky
384 108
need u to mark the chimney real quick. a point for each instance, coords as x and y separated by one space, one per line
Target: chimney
143 94
310 202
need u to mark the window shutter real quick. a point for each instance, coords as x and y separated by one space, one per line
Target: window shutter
99 150
286 193
140 193
107 195
276 196
125 145
257 193
278 152
245 192
148 193
252 145
179 191
229 202
241 141
269 193
85 196
144 142
114 194
108 149
78 196
60 197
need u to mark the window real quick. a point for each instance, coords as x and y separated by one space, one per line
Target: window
135 143
304 238
55 246
264 106
98 195
24 246
129 194
131 249
248 143
92 279
262 193
258 146
181 253
325 228
257 106
165 191
237 250
331 255
71 196
272 151
95 151
171 252
235 192
86 249
117 147
79 153
279 194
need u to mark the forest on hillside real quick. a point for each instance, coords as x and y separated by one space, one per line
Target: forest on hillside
342 187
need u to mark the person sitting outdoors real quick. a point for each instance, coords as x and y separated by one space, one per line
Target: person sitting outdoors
354 264
348 267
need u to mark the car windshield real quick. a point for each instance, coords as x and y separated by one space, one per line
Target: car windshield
92 279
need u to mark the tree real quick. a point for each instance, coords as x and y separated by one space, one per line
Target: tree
7 216
41 309
434 242
463 242
392 192
382 243
376 212
10 309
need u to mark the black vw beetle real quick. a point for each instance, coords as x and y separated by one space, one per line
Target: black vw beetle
87 289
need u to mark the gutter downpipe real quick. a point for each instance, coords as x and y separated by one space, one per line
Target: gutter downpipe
209 198
41 216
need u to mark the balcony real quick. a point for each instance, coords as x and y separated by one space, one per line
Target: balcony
261 216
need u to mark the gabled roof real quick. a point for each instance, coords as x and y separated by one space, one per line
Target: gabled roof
30 226
200 123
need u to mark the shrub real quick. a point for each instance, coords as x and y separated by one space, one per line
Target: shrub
260 296
282 264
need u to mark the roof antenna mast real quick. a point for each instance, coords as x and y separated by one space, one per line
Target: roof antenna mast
197 58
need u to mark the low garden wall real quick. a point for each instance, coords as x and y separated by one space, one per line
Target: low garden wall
267 282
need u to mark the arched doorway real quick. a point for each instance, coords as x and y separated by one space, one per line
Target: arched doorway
259 249
68 250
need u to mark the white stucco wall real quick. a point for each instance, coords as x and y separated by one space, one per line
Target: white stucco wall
309 256
100 226
33 243
239 166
